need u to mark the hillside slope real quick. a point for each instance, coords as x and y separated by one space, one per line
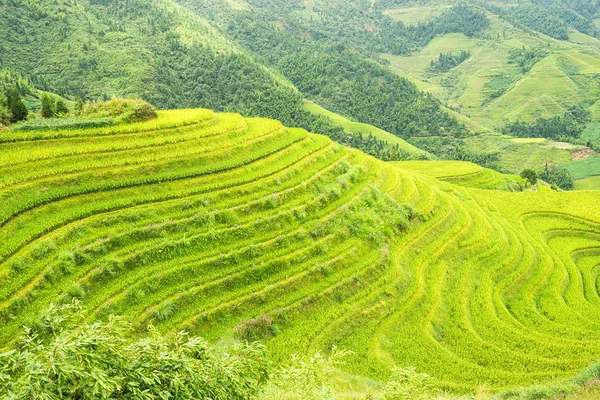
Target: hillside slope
223 225
156 50
366 130
517 69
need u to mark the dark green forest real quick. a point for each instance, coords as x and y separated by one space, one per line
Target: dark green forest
567 127
446 61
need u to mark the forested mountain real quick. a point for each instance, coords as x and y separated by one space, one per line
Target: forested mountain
264 57
152 49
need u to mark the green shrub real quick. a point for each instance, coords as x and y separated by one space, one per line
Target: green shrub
254 329
530 176
310 379
407 384
63 358
125 110
48 107
61 108
18 111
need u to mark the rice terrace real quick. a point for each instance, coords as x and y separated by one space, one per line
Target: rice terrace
300 200
206 221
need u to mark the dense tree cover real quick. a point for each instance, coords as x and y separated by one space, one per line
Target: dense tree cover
11 80
324 57
359 25
557 176
62 357
578 14
402 39
534 17
450 148
565 127
526 58
135 49
446 61
369 93
553 17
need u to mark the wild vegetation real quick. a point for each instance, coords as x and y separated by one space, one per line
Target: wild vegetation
446 62
230 227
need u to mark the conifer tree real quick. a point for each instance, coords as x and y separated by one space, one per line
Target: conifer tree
48 107
16 106
61 108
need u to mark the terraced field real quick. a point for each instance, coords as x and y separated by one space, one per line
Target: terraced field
489 90
464 174
225 225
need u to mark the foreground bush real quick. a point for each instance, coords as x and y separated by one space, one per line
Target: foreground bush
305 379
62 358
124 110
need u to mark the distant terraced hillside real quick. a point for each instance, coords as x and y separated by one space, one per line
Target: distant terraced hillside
224 225
491 88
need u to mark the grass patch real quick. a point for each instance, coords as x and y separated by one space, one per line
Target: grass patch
583 168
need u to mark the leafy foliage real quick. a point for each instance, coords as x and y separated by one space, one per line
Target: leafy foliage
65 358
16 107
566 127
526 58
310 379
557 176
447 61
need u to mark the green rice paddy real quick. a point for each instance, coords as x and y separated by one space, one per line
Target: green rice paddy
201 221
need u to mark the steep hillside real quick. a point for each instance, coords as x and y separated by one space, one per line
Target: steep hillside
516 70
365 130
155 50
230 226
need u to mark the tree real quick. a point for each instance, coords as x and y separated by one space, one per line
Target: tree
5 113
557 176
48 107
79 106
16 106
65 358
530 176
61 108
